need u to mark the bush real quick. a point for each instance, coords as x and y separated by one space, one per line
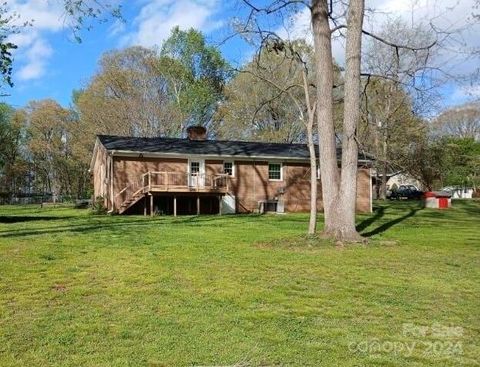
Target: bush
98 205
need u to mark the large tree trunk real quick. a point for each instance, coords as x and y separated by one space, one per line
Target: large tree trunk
339 191
326 133
348 185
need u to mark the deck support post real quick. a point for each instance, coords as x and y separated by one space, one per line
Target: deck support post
219 204
151 205
198 204
145 205
174 205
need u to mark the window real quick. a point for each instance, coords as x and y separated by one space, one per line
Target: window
275 171
228 168
194 168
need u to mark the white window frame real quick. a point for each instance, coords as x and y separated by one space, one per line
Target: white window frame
233 168
281 171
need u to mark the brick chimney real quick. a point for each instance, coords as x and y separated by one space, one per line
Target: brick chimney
197 133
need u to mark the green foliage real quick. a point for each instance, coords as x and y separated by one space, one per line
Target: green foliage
461 161
83 290
447 161
6 113
13 166
8 27
138 92
98 206
196 74
38 151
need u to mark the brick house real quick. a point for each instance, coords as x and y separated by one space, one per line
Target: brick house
200 176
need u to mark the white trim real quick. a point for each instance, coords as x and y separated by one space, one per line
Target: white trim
129 153
281 171
201 171
233 167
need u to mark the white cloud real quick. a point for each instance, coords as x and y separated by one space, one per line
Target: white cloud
117 28
462 94
156 19
45 14
34 50
37 57
298 26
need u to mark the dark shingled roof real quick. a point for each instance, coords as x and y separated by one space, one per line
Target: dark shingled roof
206 147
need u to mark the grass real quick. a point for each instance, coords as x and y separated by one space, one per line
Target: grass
84 290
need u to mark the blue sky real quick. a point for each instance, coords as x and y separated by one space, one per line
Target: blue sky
49 64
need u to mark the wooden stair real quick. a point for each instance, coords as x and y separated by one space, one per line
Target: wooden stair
130 201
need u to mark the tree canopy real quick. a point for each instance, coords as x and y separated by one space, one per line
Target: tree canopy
196 74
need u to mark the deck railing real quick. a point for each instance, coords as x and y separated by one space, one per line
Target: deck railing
181 180
171 181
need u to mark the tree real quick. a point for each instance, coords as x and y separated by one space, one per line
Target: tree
6 112
47 124
425 161
328 18
38 151
445 161
272 98
196 74
13 166
387 128
51 146
261 100
392 98
462 161
461 122
339 188
127 96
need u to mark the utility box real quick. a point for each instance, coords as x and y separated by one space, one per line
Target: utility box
228 204
437 200
271 206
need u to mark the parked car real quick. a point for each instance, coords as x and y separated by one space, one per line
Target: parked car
406 192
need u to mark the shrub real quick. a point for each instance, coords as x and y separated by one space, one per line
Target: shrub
98 206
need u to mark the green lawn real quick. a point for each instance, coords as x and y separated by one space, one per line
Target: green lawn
84 290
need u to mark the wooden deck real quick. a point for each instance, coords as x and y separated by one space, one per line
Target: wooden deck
169 182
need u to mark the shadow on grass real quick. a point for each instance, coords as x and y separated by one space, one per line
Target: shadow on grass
106 224
379 213
470 206
24 218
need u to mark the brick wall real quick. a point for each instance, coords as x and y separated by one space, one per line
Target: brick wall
250 183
